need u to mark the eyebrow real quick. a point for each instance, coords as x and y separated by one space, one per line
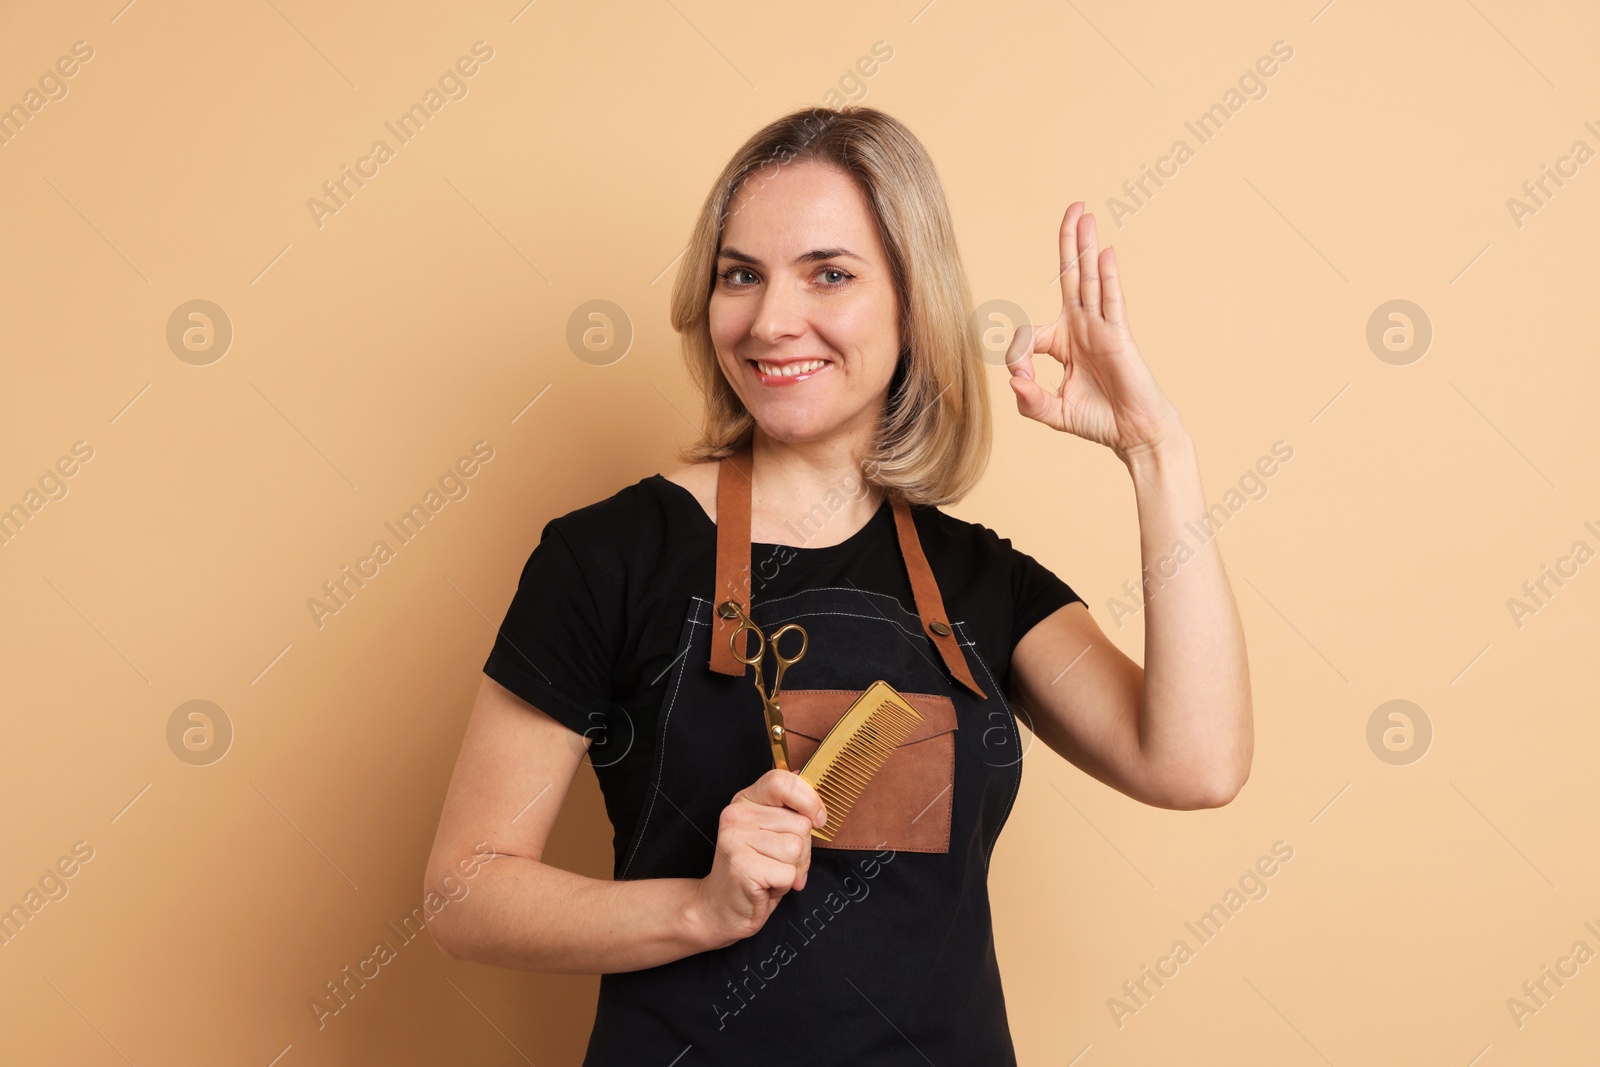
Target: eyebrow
816 255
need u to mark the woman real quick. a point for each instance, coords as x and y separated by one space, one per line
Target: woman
824 314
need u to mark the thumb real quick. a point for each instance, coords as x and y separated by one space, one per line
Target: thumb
1032 400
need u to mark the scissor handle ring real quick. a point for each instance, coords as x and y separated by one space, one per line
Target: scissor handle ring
789 661
761 642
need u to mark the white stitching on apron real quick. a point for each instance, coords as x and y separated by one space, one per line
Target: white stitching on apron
661 754
1011 721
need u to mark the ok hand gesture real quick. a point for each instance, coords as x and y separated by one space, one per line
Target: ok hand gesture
1107 393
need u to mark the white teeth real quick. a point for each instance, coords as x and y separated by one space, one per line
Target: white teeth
791 369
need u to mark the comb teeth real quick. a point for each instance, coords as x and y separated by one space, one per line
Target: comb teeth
855 748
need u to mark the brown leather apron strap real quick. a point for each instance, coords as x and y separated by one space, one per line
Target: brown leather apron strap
734 481
930 605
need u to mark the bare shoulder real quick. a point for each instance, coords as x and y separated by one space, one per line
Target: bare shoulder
701 480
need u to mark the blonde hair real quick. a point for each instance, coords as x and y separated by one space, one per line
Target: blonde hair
933 442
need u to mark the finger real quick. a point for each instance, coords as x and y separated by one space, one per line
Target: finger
1090 258
746 823
804 866
783 847
764 876
1025 345
787 789
1111 300
1044 340
739 858
1069 256
1032 401
1019 354
786 848
768 807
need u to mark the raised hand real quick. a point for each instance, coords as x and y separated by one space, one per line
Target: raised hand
1107 393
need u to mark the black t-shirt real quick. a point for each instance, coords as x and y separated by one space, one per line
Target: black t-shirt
590 636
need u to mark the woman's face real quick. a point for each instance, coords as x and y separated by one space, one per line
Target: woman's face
803 286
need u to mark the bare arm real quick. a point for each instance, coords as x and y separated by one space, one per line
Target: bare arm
514 770
1176 733
518 911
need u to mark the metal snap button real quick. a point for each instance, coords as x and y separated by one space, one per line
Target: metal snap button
728 610
938 626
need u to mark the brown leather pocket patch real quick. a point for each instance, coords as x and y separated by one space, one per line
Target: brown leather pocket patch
907 805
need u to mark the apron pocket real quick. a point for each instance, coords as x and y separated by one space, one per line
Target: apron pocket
906 806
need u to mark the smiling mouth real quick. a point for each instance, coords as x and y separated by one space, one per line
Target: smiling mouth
796 369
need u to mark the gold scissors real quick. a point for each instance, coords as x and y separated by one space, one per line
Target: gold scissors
769 699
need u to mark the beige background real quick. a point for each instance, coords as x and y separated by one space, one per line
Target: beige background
432 309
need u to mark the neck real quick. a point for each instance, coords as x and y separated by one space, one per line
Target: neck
812 493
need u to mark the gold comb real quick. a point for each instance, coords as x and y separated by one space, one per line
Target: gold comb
853 750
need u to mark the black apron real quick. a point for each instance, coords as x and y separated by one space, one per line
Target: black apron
887 955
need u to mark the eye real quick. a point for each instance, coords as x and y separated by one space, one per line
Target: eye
833 277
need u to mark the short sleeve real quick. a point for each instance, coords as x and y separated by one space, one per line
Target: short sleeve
552 650
1036 593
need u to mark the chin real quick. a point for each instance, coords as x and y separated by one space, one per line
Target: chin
791 430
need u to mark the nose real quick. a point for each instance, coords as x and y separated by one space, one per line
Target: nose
779 315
